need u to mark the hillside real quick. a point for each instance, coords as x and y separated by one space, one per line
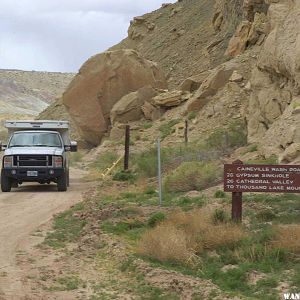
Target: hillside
24 94
184 38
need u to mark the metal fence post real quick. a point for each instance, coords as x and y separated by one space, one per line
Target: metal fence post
159 172
127 145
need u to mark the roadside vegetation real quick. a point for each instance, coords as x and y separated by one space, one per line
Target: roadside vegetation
191 236
191 232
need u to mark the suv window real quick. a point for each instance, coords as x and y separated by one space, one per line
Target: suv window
35 139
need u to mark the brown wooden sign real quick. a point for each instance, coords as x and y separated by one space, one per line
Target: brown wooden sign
262 178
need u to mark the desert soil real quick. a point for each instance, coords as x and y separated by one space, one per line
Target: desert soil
22 212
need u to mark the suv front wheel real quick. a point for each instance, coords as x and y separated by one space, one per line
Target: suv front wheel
62 183
5 184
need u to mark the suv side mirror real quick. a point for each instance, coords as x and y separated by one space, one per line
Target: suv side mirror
72 148
2 147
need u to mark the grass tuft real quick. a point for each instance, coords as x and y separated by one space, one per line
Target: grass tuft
192 176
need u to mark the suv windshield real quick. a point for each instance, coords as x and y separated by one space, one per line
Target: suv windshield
35 139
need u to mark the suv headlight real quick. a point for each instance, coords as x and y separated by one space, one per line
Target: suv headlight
7 161
57 162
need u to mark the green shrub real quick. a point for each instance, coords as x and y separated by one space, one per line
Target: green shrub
104 161
192 176
147 125
192 115
224 139
220 194
124 176
156 218
272 160
266 215
150 190
167 129
220 216
252 148
75 157
146 163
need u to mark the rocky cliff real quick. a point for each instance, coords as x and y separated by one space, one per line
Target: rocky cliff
275 84
224 60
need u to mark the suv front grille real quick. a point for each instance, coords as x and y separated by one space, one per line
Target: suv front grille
33 160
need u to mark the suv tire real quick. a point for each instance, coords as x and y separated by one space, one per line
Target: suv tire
62 184
5 184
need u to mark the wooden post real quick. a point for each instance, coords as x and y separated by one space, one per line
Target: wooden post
127 145
186 132
237 202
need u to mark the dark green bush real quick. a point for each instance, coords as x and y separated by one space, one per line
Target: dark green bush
156 218
124 176
167 129
191 176
224 139
220 194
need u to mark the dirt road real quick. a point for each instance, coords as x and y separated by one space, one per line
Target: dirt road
22 212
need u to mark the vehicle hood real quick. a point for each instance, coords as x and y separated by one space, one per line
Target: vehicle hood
34 150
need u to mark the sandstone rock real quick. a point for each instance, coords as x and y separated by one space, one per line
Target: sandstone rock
139 27
276 80
170 99
218 21
101 82
151 112
251 7
116 133
236 77
291 153
260 26
216 80
193 83
129 107
238 42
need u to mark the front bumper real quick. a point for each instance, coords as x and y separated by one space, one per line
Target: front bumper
43 174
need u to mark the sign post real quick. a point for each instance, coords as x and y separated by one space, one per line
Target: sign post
237 202
240 178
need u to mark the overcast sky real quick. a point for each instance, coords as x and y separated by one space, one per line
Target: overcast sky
59 35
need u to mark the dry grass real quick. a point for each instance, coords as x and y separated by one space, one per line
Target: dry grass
287 237
185 234
165 243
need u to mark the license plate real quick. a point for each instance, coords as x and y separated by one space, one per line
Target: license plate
32 173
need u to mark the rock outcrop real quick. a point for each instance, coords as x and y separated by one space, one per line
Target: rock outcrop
193 83
129 107
275 82
216 80
101 82
170 99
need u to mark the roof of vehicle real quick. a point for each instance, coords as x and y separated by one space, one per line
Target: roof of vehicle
34 124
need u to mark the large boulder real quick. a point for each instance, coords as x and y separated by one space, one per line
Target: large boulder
129 108
101 82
